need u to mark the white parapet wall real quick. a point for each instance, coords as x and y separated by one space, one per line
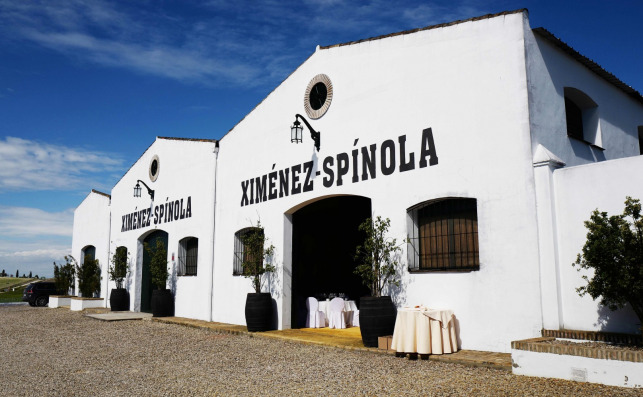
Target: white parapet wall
59 301
78 304
608 367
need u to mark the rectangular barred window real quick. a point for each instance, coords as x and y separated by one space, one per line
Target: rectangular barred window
444 235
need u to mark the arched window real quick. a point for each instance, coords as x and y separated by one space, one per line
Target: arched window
89 252
443 235
640 139
188 256
581 116
241 253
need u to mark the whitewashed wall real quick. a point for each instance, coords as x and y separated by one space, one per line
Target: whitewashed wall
550 70
91 227
187 169
579 191
467 82
586 181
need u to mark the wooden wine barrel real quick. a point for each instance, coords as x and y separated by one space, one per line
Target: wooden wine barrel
259 312
162 303
376 318
119 300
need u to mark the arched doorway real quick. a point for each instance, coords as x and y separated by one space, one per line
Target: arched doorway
146 275
324 238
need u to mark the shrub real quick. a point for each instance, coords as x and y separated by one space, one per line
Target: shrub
88 277
64 274
254 255
158 264
378 265
119 268
614 250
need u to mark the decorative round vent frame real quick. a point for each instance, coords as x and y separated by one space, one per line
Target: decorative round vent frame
155 168
318 96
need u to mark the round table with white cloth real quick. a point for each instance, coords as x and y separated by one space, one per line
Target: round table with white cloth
424 331
324 306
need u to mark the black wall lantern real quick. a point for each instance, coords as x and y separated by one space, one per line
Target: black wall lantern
137 189
296 131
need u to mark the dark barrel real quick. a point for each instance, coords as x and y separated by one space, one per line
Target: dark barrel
259 312
119 300
376 318
162 303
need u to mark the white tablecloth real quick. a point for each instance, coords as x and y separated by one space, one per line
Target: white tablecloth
324 306
424 331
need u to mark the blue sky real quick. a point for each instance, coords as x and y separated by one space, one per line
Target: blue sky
86 86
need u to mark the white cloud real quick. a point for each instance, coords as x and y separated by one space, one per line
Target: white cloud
36 257
32 239
241 43
30 222
29 165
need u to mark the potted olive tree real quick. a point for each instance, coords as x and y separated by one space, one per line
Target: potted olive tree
377 267
119 298
162 299
254 263
88 274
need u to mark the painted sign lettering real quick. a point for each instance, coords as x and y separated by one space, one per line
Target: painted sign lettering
299 178
163 213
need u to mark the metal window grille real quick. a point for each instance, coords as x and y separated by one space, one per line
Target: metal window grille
191 256
188 256
241 254
444 236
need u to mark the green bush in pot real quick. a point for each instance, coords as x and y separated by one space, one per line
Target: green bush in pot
377 267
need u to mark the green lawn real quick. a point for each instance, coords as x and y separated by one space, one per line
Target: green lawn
11 296
7 282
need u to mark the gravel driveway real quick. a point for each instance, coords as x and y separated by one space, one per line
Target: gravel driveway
55 352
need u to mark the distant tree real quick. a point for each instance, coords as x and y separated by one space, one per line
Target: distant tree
3 274
24 275
614 250
64 274
29 274
36 276
17 273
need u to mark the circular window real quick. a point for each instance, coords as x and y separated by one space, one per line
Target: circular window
155 166
318 96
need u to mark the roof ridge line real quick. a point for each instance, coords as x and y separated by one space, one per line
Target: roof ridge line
441 25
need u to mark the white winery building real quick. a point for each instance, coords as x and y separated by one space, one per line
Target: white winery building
486 142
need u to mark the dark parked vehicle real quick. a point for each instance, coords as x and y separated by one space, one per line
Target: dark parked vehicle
37 294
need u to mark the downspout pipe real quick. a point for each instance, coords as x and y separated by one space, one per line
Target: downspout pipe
214 224
109 244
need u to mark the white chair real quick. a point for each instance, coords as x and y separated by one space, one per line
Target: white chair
337 314
315 317
353 314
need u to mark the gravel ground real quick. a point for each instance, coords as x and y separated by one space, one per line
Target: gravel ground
56 352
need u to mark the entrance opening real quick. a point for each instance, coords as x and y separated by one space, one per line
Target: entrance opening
146 275
325 236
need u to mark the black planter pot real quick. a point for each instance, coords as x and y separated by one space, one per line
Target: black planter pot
119 300
162 303
259 312
376 318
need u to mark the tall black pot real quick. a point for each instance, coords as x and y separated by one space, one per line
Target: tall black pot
162 303
259 312
119 300
376 318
